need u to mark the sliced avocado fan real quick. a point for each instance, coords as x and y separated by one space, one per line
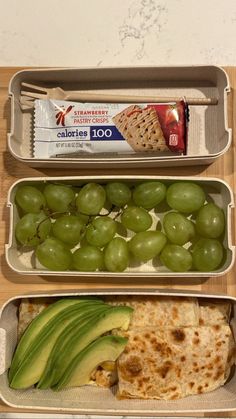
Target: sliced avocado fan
35 358
106 348
47 376
74 339
38 323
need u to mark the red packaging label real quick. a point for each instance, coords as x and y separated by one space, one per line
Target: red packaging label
173 118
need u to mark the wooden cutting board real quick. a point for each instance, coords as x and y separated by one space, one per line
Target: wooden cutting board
10 170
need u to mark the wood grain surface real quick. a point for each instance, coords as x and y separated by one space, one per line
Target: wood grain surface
13 284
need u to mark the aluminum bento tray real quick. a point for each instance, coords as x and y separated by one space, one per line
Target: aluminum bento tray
209 136
94 400
217 189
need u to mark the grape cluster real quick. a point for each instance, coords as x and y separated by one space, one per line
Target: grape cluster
97 227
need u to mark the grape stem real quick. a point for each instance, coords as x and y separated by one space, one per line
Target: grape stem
39 224
117 214
64 213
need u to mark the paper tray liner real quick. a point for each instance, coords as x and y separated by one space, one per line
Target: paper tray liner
88 399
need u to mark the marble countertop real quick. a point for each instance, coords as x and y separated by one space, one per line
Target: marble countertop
79 33
107 32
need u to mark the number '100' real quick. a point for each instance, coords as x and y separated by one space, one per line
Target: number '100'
102 133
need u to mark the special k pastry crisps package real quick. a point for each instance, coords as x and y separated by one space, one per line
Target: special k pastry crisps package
65 128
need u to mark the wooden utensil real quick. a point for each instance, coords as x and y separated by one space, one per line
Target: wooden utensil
38 92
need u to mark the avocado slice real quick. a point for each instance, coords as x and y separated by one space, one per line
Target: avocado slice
71 342
106 348
35 359
38 323
26 348
74 327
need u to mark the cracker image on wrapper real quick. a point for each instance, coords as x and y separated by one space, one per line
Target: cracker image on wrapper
141 128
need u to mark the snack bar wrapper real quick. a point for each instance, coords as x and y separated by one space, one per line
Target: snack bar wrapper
65 129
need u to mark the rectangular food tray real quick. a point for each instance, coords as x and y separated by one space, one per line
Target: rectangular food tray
216 189
87 399
209 135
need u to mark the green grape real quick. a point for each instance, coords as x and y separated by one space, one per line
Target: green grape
101 231
185 197
178 228
116 255
210 221
32 229
136 219
149 194
91 199
118 193
59 197
147 244
54 255
84 219
207 255
67 229
176 258
30 199
88 259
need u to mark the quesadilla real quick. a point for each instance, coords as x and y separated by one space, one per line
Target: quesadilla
171 363
214 313
159 311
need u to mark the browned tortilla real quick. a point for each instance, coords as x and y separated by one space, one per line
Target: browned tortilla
213 313
171 363
159 311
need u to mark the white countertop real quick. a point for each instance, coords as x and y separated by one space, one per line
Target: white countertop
116 33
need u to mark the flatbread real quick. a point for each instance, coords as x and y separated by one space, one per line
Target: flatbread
28 310
141 128
159 311
214 313
171 363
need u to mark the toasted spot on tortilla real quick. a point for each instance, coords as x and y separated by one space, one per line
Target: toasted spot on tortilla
164 369
163 348
216 327
178 335
218 374
175 396
175 313
133 365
